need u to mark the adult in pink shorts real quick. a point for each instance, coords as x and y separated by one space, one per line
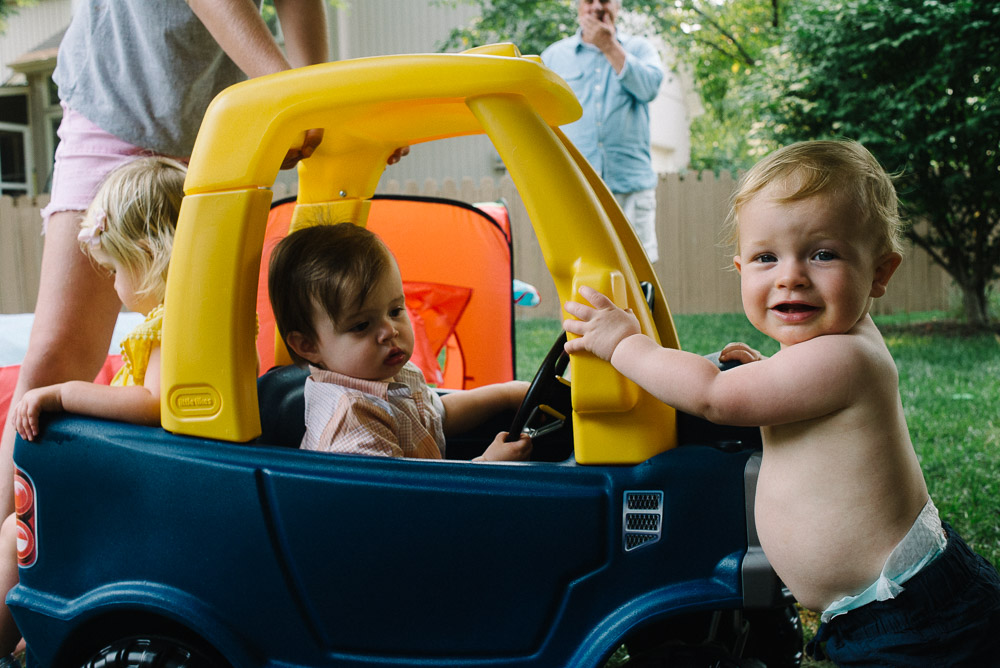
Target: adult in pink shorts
135 83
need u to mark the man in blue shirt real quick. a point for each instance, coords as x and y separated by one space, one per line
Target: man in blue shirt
615 77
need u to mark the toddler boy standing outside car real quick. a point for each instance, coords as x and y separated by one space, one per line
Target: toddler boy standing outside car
842 509
338 301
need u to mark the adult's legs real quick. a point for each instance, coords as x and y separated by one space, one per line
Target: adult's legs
640 209
74 320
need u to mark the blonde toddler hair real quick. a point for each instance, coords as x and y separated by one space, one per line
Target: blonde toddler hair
133 217
822 167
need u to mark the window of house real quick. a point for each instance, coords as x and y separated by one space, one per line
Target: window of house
14 144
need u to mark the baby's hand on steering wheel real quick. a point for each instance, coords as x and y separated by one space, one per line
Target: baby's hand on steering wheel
507 451
739 352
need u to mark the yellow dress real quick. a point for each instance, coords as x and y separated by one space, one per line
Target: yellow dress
137 347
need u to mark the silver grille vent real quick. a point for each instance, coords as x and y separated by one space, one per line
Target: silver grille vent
642 518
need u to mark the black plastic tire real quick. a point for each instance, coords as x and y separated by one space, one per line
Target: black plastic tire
775 637
691 657
772 637
150 652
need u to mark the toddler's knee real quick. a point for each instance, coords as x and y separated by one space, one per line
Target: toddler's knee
8 533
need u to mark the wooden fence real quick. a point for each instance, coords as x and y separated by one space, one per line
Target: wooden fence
20 252
695 271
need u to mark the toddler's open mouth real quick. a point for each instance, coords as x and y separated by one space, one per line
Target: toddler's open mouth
793 308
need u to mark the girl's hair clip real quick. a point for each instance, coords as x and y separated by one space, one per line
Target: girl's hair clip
91 234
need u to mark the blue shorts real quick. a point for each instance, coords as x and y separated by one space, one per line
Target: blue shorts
947 615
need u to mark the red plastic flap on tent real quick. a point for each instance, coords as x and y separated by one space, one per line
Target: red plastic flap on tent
435 310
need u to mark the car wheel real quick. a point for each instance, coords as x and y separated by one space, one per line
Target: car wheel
775 637
151 652
722 639
693 657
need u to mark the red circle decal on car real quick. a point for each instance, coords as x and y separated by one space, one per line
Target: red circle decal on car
24 498
25 544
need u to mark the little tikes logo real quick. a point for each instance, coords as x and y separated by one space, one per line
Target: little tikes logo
195 401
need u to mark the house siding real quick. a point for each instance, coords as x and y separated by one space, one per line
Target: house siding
29 27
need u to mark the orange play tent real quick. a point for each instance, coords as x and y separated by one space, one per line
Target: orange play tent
456 264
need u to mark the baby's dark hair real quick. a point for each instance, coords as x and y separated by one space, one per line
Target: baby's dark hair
328 267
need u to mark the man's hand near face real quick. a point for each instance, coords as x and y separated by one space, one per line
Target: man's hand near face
597 27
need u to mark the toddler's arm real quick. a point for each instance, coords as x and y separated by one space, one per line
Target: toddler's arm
683 380
138 404
128 404
466 409
502 451
802 382
601 327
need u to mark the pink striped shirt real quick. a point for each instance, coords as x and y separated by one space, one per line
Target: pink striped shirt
396 418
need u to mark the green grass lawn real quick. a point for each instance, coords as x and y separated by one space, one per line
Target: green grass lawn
950 390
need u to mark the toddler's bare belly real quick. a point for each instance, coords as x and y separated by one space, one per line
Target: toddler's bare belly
818 566
824 550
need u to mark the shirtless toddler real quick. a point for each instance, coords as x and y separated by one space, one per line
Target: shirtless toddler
842 509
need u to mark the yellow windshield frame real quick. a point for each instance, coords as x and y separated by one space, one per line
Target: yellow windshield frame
368 107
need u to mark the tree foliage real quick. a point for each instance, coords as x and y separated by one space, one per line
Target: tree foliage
918 83
9 8
720 40
530 24
723 41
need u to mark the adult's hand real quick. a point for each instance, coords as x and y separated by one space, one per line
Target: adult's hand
601 33
398 155
598 31
312 140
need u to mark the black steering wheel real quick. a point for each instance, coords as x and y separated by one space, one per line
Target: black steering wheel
546 406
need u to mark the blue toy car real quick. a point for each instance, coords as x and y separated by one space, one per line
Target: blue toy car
215 542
